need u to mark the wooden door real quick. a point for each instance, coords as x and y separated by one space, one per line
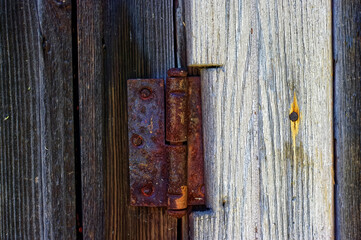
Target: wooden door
63 121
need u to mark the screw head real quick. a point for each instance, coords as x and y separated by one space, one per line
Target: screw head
145 93
293 116
137 140
147 190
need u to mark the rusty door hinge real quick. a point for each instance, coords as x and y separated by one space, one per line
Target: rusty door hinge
166 142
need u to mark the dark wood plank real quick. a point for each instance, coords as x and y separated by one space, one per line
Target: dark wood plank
117 40
37 187
347 117
139 40
91 115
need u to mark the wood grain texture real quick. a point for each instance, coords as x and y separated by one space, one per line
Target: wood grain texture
139 42
259 184
347 117
206 32
180 34
91 116
117 40
37 187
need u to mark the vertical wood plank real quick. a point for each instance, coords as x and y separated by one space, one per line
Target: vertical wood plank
347 117
37 199
118 40
139 41
263 182
180 34
56 109
91 115
206 37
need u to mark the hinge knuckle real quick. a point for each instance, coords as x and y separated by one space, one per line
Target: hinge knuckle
177 179
176 109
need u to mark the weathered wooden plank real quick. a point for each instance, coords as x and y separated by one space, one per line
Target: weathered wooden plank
205 35
347 117
180 34
91 87
139 39
263 183
37 198
118 40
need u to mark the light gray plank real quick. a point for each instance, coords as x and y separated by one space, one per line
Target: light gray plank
205 30
262 184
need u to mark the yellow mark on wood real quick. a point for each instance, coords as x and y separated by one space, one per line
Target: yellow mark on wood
294 130
295 124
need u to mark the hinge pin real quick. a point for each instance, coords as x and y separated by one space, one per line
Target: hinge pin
176 135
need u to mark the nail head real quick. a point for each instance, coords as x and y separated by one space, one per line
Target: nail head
293 116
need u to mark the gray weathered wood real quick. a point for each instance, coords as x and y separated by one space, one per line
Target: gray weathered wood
206 38
261 182
347 57
37 187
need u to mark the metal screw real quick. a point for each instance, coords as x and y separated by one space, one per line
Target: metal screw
145 93
147 190
137 140
293 116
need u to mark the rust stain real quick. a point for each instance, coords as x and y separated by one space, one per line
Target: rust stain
147 160
176 106
166 173
294 129
151 126
195 169
295 124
